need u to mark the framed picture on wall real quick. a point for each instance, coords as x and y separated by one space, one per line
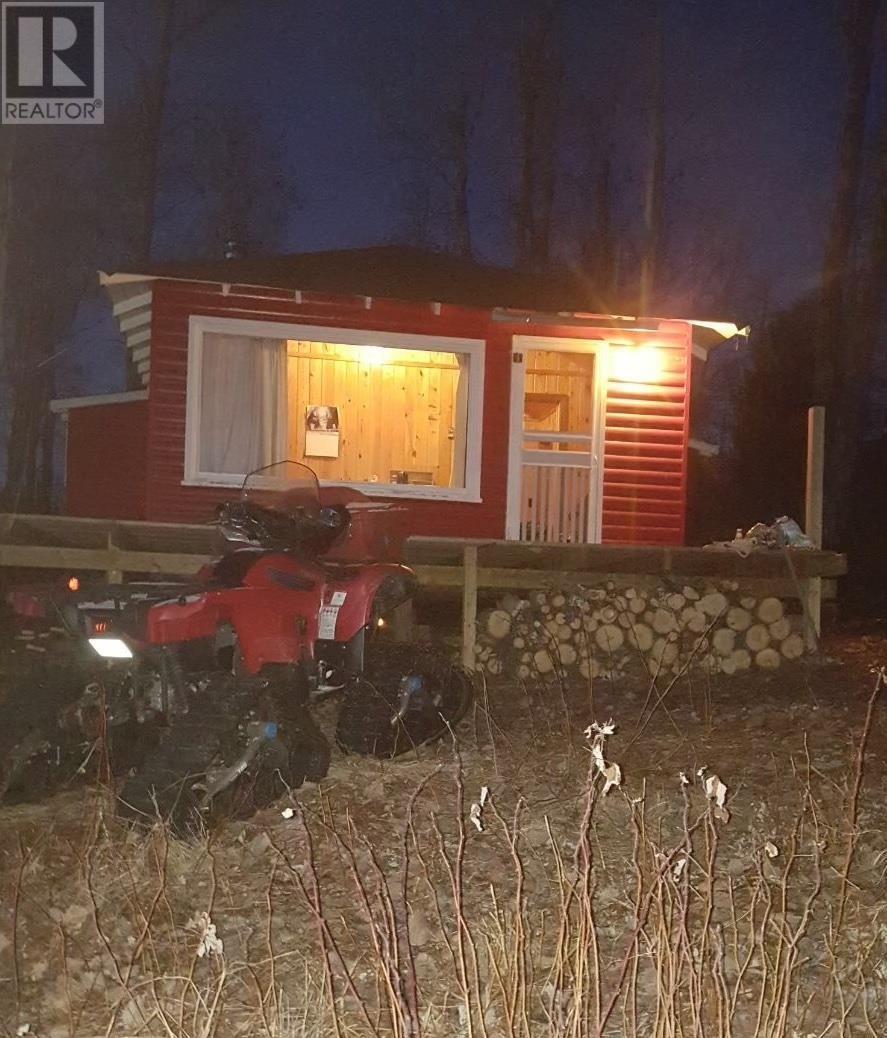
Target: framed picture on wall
321 431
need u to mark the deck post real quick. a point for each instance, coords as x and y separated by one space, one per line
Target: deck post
469 604
402 622
114 575
813 500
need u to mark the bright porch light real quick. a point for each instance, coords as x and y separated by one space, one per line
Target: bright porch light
636 364
111 648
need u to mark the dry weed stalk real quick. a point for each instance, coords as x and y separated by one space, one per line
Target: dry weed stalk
688 929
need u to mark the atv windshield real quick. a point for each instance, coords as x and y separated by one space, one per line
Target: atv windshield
285 487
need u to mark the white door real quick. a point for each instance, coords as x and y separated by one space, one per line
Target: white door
554 480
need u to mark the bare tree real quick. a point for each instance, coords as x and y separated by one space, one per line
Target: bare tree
137 135
860 17
597 235
862 324
460 127
233 197
66 189
655 188
838 377
539 73
429 120
443 169
873 299
51 240
155 91
8 143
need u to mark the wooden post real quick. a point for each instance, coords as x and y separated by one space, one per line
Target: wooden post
402 622
114 575
815 474
813 512
469 604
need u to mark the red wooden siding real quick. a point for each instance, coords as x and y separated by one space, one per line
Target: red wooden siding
645 453
174 303
133 467
646 432
107 460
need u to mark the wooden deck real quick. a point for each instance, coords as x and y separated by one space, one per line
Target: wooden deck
510 564
119 547
106 545
475 565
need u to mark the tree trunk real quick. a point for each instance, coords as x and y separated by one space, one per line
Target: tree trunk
597 247
45 483
539 75
653 205
460 132
842 229
153 139
7 172
29 402
873 296
830 388
606 271
527 191
861 335
546 151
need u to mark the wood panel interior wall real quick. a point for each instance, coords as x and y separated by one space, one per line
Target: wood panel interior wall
558 397
393 416
567 381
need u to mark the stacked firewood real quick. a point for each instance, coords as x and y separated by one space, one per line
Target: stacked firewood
611 629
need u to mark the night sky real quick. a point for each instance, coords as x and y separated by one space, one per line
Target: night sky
753 91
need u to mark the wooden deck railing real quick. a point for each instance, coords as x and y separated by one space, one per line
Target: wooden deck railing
119 547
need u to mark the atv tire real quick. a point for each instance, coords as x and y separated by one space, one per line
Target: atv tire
169 784
309 750
299 754
286 700
378 719
163 787
39 754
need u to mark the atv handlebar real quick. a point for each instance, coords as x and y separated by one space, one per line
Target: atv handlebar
304 529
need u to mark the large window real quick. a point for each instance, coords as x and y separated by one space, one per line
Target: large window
394 414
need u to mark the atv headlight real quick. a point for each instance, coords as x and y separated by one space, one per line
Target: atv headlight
111 648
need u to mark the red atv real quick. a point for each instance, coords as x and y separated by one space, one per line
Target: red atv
203 699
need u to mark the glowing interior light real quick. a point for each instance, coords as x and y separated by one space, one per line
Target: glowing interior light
636 364
111 648
74 584
374 355
380 622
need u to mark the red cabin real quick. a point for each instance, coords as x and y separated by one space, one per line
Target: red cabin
489 404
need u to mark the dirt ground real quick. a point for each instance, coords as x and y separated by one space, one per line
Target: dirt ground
398 898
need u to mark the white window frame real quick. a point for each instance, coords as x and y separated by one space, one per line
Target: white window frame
474 348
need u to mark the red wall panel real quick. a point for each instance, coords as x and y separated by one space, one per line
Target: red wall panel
106 462
169 500
645 451
646 430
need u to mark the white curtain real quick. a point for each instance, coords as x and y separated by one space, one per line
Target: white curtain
243 403
460 421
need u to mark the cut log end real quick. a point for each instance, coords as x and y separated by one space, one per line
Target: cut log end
757 637
770 610
768 659
792 647
499 624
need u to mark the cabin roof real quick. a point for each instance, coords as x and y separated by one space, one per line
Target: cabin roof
394 272
398 272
